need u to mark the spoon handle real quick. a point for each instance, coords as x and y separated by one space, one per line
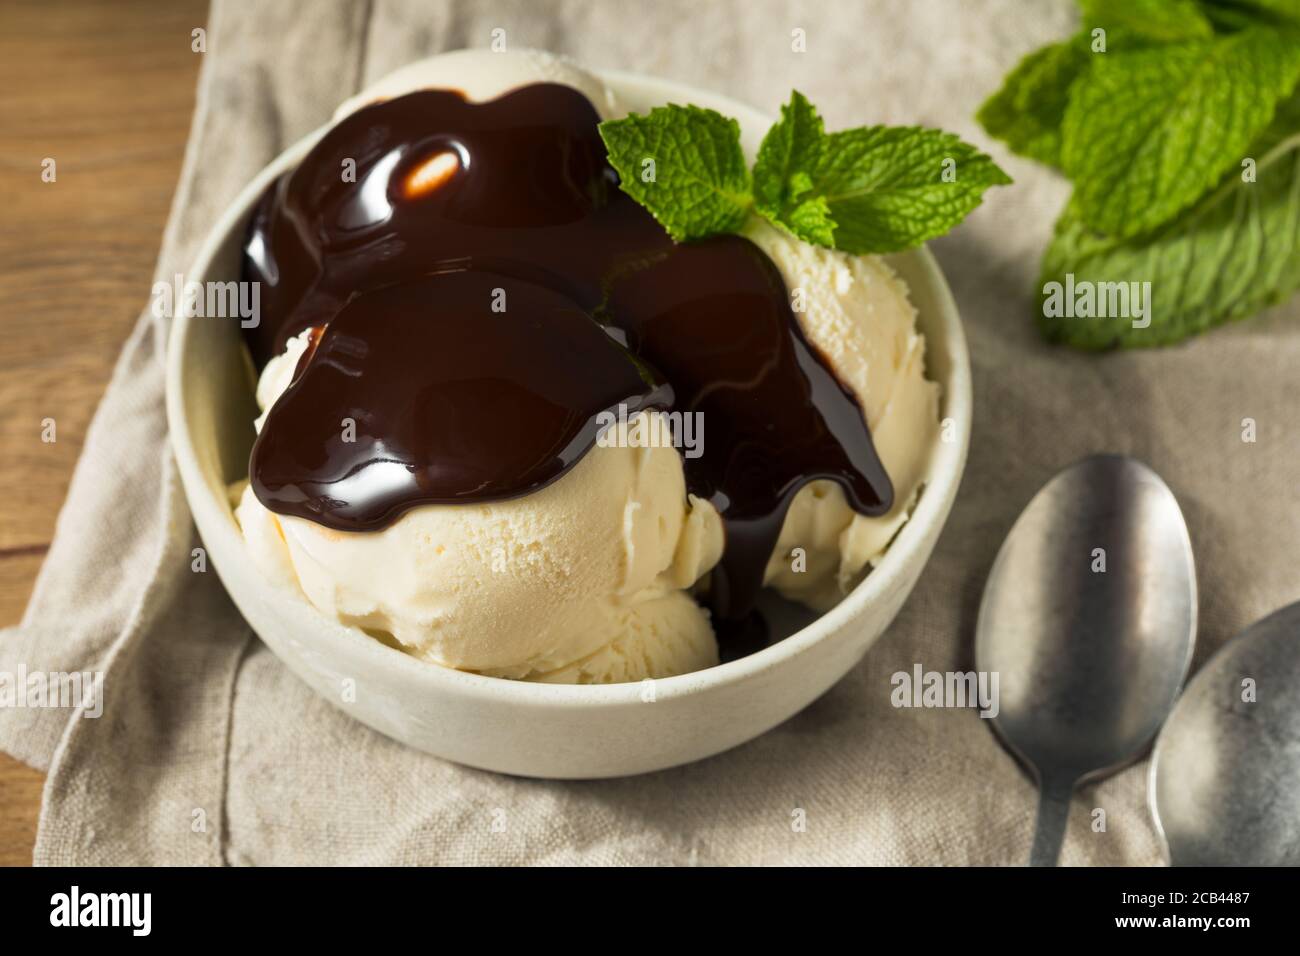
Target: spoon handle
1053 813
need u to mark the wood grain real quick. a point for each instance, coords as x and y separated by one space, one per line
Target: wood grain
106 90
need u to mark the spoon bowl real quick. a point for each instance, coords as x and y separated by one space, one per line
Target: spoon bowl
1225 776
1088 617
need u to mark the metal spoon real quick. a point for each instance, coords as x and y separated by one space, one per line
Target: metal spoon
1089 660
1225 776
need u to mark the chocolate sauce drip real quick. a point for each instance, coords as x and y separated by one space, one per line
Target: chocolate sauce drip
484 291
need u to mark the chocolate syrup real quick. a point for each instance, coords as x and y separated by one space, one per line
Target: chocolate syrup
483 290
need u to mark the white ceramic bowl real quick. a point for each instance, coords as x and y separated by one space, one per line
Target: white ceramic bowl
542 730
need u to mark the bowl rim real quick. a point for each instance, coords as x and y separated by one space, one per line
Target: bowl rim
943 472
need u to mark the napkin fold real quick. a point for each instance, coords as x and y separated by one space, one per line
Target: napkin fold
209 751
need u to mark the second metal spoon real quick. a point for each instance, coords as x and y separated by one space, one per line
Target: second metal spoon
1225 774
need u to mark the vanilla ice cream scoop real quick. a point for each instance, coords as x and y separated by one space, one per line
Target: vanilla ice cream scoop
856 311
581 582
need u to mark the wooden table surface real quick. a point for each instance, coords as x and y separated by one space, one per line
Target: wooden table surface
106 90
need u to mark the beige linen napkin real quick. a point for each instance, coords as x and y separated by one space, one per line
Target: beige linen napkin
209 751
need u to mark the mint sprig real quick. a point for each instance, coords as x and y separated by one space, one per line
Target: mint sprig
872 189
1175 120
790 154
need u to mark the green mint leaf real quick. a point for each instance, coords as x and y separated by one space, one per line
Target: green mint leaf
1233 254
1026 113
685 165
889 188
1148 132
788 157
1162 20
